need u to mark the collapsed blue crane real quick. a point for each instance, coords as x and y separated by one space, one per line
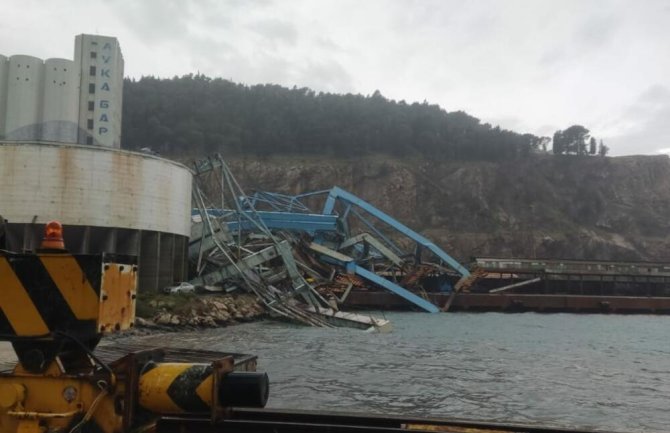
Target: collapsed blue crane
291 213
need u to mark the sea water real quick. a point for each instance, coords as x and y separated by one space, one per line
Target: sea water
581 371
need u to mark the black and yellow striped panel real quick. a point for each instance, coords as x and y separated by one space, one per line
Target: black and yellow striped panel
41 293
175 388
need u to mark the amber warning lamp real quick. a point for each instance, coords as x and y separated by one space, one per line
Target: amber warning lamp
53 236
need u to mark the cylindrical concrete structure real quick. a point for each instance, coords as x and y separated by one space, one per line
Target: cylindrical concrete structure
4 66
98 187
24 97
60 109
108 200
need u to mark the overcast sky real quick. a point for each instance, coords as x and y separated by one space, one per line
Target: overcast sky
528 65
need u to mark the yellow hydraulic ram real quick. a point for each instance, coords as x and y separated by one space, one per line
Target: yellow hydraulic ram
177 388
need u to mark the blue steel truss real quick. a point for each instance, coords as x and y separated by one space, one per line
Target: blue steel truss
276 220
338 194
287 212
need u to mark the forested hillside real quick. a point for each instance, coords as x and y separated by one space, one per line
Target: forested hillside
196 115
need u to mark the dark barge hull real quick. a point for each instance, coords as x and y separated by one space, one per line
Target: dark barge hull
515 303
291 421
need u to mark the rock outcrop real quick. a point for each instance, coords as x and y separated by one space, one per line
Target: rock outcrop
544 206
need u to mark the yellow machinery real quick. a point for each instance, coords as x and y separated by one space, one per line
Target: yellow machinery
54 309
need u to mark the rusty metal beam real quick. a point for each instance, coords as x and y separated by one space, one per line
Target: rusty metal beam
515 285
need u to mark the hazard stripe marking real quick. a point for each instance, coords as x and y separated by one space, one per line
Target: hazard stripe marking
204 390
92 267
44 293
17 306
154 383
183 392
73 285
5 326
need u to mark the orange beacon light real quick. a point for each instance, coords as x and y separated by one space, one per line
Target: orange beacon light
53 236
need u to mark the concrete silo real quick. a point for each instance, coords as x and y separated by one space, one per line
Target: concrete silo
60 106
25 82
60 158
100 63
108 200
4 66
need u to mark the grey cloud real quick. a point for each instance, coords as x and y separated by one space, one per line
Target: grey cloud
650 130
655 98
327 75
150 19
552 56
326 43
275 30
218 15
546 130
419 15
225 60
272 65
242 4
175 21
514 123
207 53
596 31
655 95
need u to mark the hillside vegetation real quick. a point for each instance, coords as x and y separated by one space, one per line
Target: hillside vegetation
196 115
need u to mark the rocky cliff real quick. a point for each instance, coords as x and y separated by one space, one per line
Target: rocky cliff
544 206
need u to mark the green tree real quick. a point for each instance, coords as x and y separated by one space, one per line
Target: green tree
592 146
602 149
558 144
571 141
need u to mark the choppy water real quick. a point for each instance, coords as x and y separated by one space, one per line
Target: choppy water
586 371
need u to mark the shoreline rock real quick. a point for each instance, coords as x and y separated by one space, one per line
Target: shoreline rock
177 312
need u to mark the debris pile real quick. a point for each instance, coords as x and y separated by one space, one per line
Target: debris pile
301 264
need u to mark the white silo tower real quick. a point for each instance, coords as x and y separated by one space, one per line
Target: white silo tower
60 108
4 66
25 79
